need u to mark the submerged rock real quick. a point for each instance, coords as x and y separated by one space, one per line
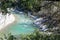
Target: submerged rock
38 22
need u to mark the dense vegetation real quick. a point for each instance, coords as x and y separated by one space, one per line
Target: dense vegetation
31 5
4 4
37 35
41 36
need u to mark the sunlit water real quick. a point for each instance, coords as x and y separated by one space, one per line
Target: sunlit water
23 25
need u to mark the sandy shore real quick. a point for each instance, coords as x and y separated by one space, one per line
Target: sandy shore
9 20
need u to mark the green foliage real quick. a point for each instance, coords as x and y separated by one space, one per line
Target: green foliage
11 37
37 35
32 5
41 36
6 4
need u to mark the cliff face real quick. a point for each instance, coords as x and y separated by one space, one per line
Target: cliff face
51 12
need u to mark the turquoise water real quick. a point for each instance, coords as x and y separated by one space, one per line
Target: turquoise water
23 25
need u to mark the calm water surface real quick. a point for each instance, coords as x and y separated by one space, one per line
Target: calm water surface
23 25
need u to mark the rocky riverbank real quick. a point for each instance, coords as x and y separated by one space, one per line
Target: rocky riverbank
6 20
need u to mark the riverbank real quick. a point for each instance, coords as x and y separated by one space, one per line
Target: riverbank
6 20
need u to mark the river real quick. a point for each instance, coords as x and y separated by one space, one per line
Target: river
22 25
